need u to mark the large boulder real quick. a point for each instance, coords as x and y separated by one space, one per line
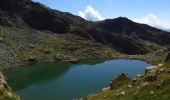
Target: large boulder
151 70
120 81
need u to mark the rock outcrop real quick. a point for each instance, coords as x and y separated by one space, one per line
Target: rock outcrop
5 91
120 81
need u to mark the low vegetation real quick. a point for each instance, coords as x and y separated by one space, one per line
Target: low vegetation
153 85
23 46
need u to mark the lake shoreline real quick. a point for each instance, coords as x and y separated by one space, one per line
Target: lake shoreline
126 57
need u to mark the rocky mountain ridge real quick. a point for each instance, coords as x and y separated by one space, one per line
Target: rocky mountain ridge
120 33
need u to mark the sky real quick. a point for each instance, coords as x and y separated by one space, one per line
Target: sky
153 12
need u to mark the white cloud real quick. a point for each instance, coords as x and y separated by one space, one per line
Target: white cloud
90 14
154 20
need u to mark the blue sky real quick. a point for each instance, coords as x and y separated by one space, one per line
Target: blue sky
153 12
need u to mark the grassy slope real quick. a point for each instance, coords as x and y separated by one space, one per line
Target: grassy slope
17 45
141 90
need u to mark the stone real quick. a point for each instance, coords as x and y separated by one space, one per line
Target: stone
139 75
105 89
121 93
151 67
59 57
120 80
46 51
160 65
161 71
145 84
134 81
131 57
32 60
129 86
74 60
150 78
151 70
152 92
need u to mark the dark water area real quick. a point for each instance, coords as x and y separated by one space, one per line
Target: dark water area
66 81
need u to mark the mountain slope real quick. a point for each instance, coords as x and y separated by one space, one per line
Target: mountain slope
120 34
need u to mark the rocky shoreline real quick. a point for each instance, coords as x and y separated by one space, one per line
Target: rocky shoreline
6 92
122 86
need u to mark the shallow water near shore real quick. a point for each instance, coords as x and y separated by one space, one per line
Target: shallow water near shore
66 81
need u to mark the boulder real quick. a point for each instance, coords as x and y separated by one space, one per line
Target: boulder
105 89
139 75
46 51
150 78
151 67
32 60
151 70
120 81
129 86
59 57
74 60
120 94
160 65
134 81
161 71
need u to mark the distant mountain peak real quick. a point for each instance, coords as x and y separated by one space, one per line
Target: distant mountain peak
122 18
